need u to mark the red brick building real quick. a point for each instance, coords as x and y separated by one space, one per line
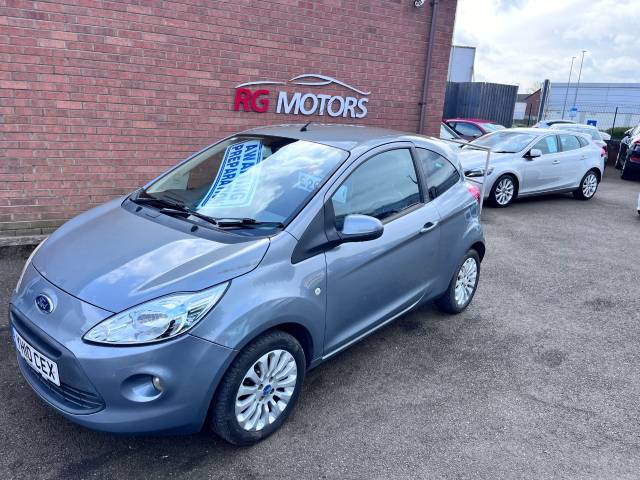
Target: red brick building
99 96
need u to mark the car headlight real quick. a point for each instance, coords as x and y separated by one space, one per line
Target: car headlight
477 172
27 263
158 319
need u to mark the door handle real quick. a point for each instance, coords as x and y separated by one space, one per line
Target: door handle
428 227
555 162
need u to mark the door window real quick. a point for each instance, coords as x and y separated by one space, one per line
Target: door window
441 175
547 145
569 142
467 129
384 185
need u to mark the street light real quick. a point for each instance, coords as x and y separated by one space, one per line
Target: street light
566 92
575 97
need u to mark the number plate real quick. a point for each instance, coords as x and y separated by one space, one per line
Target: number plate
42 364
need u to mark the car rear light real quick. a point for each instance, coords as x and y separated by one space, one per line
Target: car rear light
473 190
603 152
634 156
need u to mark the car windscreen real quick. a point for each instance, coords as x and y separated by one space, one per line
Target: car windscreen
491 127
266 179
505 141
447 133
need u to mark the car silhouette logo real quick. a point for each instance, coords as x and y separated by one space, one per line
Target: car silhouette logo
44 303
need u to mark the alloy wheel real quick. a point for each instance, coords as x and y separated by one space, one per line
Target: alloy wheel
589 185
466 281
265 390
504 191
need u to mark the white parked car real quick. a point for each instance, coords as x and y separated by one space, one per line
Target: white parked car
639 204
549 122
593 132
534 161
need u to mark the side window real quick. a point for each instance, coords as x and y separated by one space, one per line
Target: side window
467 129
547 145
569 142
441 175
382 186
583 141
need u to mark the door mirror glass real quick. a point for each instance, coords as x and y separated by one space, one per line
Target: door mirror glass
360 228
534 153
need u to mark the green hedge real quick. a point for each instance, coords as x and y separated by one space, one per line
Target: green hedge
617 133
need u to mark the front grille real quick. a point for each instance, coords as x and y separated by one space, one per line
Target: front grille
73 399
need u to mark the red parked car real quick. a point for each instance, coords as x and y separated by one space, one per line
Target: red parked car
470 128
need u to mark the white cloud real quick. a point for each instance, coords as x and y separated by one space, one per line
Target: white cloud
525 41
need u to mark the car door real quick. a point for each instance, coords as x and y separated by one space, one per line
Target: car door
451 198
572 161
371 282
542 173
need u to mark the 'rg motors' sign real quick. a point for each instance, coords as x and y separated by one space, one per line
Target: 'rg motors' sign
256 99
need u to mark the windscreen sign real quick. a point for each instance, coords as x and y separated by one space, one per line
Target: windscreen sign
235 184
253 97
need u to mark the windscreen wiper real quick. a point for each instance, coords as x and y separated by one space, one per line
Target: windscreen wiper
185 212
150 200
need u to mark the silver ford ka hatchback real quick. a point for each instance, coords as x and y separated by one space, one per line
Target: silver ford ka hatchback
205 296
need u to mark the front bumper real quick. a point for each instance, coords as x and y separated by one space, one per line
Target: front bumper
109 388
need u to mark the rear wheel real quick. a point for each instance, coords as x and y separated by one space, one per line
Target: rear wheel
259 389
503 191
463 285
588 186
626 170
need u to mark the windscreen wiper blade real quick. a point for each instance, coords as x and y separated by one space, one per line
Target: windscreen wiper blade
186 212
158 201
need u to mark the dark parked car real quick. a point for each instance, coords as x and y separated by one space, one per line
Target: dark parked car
471 128
628 159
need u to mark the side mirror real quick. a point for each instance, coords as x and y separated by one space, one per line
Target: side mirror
534 153
360 228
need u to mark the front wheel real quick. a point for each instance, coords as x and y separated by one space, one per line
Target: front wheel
463 285
259 389
503 191
588 186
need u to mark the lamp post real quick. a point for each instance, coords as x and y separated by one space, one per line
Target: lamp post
566 92
575 97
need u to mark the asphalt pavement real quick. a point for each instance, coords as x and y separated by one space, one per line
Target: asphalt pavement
539 378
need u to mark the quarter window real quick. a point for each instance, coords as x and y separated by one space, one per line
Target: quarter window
441 175
569 142
547 145
384 185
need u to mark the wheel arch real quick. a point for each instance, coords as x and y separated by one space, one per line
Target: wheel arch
480 248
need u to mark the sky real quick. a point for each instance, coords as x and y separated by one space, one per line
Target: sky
522 42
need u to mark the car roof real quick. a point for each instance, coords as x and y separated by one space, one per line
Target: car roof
569 126
471 120
531 130
352 138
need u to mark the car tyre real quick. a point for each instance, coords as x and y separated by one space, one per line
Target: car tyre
503 192
588 186
271 400
463 285
626 171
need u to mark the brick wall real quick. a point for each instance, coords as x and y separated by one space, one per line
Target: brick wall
97 96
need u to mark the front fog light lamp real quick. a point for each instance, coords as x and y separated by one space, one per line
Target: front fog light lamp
156 320
157 383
